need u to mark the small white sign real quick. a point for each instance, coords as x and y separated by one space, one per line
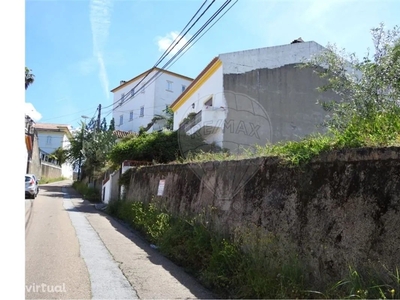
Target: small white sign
161 185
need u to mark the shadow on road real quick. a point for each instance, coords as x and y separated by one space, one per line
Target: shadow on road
50 191
152 254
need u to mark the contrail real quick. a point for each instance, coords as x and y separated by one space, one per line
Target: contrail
100 24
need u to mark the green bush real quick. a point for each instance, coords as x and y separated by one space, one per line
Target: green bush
159 147
88 193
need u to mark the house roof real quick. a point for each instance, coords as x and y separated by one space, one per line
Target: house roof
53 127
197 82
148 72
120 134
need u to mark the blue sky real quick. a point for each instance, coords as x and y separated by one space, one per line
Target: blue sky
79 50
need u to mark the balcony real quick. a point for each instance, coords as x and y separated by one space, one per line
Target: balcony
208 120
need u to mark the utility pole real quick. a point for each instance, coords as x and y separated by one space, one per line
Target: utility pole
99 118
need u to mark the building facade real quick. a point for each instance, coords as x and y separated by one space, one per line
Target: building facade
50 138
254 97
138 100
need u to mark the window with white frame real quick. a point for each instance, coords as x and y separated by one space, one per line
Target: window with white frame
122 97
131 115
169 85
141 111
121 119
209 102
48 140
183 88
132 92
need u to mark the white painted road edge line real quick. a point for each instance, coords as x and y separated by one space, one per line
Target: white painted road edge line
106 278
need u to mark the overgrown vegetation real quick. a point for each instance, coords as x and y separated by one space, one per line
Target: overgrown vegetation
88 193
249 264
368 113
158 147
45 180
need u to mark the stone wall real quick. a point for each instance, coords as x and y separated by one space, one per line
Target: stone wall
50 171
341 209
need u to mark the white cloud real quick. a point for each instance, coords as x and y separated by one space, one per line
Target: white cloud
164 42
100 20
32 112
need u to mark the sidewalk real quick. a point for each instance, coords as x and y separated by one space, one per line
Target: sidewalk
151 274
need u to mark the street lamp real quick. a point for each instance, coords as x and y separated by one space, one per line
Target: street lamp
80 153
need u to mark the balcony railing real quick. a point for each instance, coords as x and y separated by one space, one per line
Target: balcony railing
210 117
189 124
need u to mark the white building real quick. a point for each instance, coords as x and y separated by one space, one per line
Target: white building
53 136
251 97
138 100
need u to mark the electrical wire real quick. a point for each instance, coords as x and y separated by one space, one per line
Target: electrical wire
163 56
168 50
222 7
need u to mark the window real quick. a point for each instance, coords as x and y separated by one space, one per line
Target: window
48 140
209 102
132 92
169 85
121 119
131 115
141 111
143 87
122 97
183 88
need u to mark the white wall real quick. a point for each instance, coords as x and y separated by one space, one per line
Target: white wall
145 99
212 87
57 140
268 57
165 96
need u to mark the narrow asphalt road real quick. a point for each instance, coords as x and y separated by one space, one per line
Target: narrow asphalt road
74 251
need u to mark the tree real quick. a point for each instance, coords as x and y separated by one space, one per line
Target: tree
60 155
29 77
167 118
112 125
103 125
367 87
96 148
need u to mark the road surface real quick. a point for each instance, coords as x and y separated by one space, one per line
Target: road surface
74 251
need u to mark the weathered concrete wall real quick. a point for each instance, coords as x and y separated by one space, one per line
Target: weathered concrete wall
341 209
34 166
50 171
289 97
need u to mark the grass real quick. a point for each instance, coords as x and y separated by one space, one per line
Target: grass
249 264
45 180
88 193
377 130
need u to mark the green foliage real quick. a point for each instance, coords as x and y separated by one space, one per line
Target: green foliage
158 147
88 193
29 77
366 86
166 118
219 263
112 125
60 155
96 148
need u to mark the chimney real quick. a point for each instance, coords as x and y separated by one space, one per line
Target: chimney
299 40
122 82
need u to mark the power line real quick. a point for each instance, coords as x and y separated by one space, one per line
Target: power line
163 56
180 34
222 7
204 32
168 50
